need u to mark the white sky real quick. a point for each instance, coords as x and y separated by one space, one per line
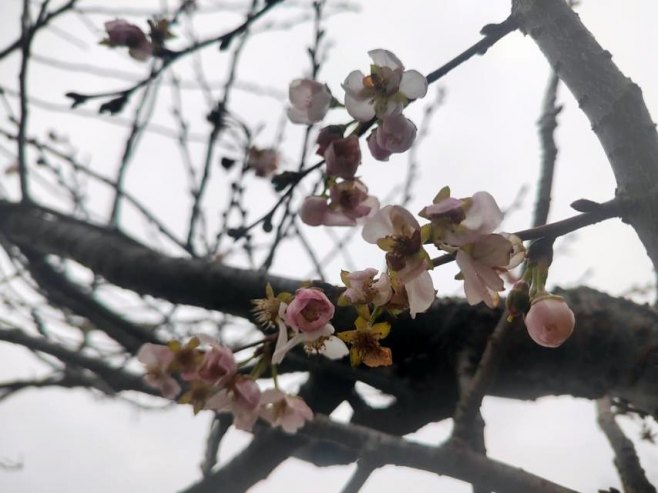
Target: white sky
482 138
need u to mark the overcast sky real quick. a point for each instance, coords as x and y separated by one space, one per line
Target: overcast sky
483 137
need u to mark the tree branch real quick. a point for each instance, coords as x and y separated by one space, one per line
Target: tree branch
626 460
612 102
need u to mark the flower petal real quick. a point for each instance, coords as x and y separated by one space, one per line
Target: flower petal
385 58
413 84
421 293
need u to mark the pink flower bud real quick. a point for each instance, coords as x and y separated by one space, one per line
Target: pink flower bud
343 157
550 321
309 311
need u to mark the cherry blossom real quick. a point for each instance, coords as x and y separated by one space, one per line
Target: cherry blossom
343 157
288 412
348 202
457 222
310 101
240 397
395 134
218 365
398 233
480 264
122 33
308 316
550 321
363 289
321 341
309 310
157 359
385 91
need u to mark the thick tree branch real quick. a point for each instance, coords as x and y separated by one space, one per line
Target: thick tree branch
615 336
612 102
450 459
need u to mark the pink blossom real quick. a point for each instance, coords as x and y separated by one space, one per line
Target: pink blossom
309 310
288 412
363 289
157 358
241 397
550 321
264 162
320 340
397 232
348 202
310 101
343 157
480 264
395 134
122 33
457 222
385 91
218 366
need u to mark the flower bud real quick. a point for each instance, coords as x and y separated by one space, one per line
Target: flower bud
550 321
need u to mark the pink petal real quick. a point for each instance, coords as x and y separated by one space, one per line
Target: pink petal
421 293
474 289
484 215
378 226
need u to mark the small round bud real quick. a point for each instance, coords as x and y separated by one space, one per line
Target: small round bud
550 321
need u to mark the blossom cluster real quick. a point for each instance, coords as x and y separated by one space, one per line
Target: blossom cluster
381 95
205 374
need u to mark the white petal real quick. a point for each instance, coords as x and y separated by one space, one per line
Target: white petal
484 215
474 289
385 58
420 292
280 353
281 341
296 115
378 226
354 83
359 109
413 84
334 348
